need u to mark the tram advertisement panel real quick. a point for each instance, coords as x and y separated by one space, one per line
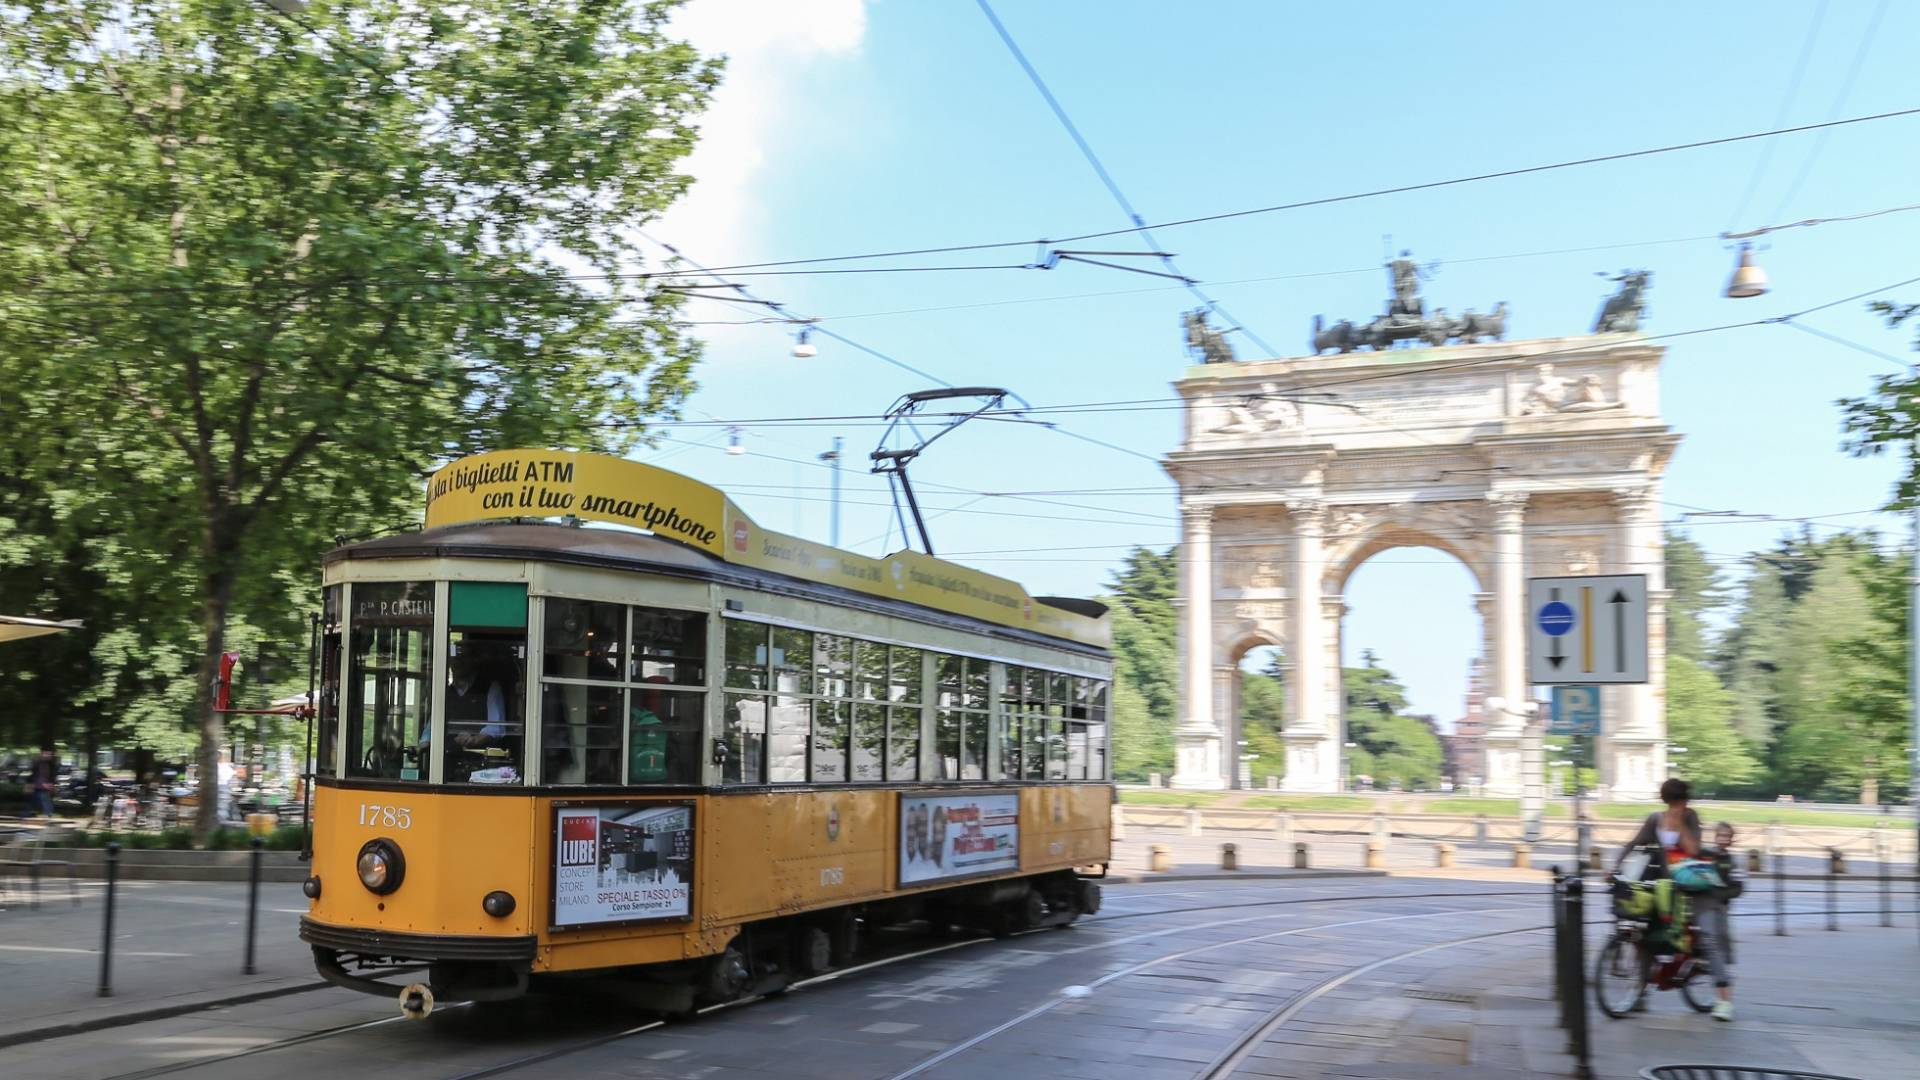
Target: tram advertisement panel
958 835
626 863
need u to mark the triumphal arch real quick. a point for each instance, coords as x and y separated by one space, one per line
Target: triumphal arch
1520 458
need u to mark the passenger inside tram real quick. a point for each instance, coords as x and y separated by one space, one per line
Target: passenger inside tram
486 678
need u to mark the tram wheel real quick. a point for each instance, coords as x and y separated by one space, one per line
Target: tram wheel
726 978
813 951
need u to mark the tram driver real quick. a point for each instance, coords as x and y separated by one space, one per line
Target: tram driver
477 721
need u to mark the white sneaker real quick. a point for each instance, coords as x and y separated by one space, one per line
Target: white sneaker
1723 1011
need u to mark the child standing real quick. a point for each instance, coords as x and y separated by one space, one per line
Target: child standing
1710 912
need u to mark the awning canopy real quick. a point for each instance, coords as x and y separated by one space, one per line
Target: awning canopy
16 627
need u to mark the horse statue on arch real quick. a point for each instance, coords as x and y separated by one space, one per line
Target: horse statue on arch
1211 344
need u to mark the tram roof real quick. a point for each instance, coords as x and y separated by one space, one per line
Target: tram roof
480 507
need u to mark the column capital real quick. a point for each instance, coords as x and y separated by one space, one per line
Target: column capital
1634 500
1309 510
1508 509
1197 516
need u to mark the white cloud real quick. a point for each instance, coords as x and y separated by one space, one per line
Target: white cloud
772 47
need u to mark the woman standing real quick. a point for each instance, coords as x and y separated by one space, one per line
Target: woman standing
1676 833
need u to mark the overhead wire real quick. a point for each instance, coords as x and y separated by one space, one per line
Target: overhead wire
1867 39
1106 178
1780 117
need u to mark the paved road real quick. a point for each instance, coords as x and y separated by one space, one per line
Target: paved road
1356 977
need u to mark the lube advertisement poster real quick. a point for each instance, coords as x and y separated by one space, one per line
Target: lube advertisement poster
958 836
626 863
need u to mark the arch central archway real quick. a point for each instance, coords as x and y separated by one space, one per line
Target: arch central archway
1463 449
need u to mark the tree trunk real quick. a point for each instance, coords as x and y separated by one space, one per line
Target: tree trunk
217 594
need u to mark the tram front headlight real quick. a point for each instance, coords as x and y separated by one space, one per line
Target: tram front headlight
498 903
381 866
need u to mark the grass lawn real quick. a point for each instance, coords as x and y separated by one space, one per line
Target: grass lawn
1169 798
1782 814
1339 804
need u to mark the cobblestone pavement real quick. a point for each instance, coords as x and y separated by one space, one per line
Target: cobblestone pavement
1355 977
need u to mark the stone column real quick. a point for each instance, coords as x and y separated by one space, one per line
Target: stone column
1312 754
1196 738
1509 667
1637 743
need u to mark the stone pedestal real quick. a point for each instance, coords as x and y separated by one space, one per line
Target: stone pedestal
1313 764
1196 765
1505 778
1635 767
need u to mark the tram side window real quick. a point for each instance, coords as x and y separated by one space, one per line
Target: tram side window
329 699
389 703
623 697
744 739
828 761
486 676
961 721
747 655
903 742
870 743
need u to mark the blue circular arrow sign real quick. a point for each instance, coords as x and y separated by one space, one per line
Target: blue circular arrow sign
1556 618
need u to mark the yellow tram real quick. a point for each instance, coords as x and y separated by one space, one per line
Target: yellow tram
704 757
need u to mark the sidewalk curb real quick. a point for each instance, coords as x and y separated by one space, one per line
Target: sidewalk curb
99 1023
1148 877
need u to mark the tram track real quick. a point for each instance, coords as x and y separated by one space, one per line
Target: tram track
1251 1039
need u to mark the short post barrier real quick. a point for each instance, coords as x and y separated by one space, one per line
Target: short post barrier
1229 857
1443 855
1193 821
1480 828
1559 944
1157 860
1522 856
1300 855
1376 856
1833 869
1836 861
1576 921
1886 887
1755 863
253 900
1779 893
106 934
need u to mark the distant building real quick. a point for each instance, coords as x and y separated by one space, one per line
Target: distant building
1465 752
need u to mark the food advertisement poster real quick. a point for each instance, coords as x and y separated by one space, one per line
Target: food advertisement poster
625 863
958 835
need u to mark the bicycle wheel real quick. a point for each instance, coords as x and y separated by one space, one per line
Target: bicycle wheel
1619 977
1697 989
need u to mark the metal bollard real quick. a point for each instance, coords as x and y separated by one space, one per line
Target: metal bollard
1834 868
1559 945
1836 861
1480 828
1300 855
1576 921
1596 860
1886 887
1522 856
1229 857
1157 860
253 900
1193 821
1779 894
106 934
1754 863
1443 855
1376 855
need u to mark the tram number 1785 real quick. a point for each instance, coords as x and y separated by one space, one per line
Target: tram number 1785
391 817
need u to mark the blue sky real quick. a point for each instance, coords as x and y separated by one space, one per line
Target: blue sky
852 127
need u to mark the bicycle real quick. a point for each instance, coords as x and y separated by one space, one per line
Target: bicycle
1627 965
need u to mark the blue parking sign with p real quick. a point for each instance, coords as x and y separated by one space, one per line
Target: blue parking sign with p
1576 711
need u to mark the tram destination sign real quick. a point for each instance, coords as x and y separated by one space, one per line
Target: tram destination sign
630 862
959 835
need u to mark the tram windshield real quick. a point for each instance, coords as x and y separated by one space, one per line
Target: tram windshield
389 701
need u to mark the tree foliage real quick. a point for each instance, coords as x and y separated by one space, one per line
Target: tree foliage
1146 692
261 275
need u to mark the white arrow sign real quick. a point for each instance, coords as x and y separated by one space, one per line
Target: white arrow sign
1587 629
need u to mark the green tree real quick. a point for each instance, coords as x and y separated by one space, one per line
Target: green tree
1696 590
1145 663
1391 745
1753 652
259 278
1700 718
1263 712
